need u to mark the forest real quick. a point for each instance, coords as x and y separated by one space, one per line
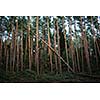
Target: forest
49 49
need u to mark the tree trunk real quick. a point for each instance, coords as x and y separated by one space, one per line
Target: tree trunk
7 59
17 46
55 48
49 42
64 32
58 38
29 43
37 45
77 53
94 41
21 50
71 43
12 50
0 49
43 53
85 44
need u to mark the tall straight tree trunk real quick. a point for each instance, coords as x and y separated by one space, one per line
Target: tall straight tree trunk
31 47
7 59
71 43
94 41
37 45
0 49
25 57
55 48
12 50
82 59
43 57
49 42
21 49
98 48
11 57
5 51
64 32
29 43
85 44
17 46
77 53
58 38
14 44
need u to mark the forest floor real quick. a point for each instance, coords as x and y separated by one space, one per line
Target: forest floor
31 77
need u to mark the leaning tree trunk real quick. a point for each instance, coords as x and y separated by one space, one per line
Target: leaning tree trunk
49 42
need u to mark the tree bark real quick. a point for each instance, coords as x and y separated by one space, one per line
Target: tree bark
29 43
64 32
58 38
55 48
37 45
49 42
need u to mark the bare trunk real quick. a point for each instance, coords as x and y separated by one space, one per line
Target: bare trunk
55 48
37 45
12 51
7 59
58 38
14 45
49 42
77 53
81 44
67 59
57 55
29 43
85 44
42 55
17 46
21 50
0 49
11 57
94 41
71 43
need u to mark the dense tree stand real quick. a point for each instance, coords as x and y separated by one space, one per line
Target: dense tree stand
49 49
